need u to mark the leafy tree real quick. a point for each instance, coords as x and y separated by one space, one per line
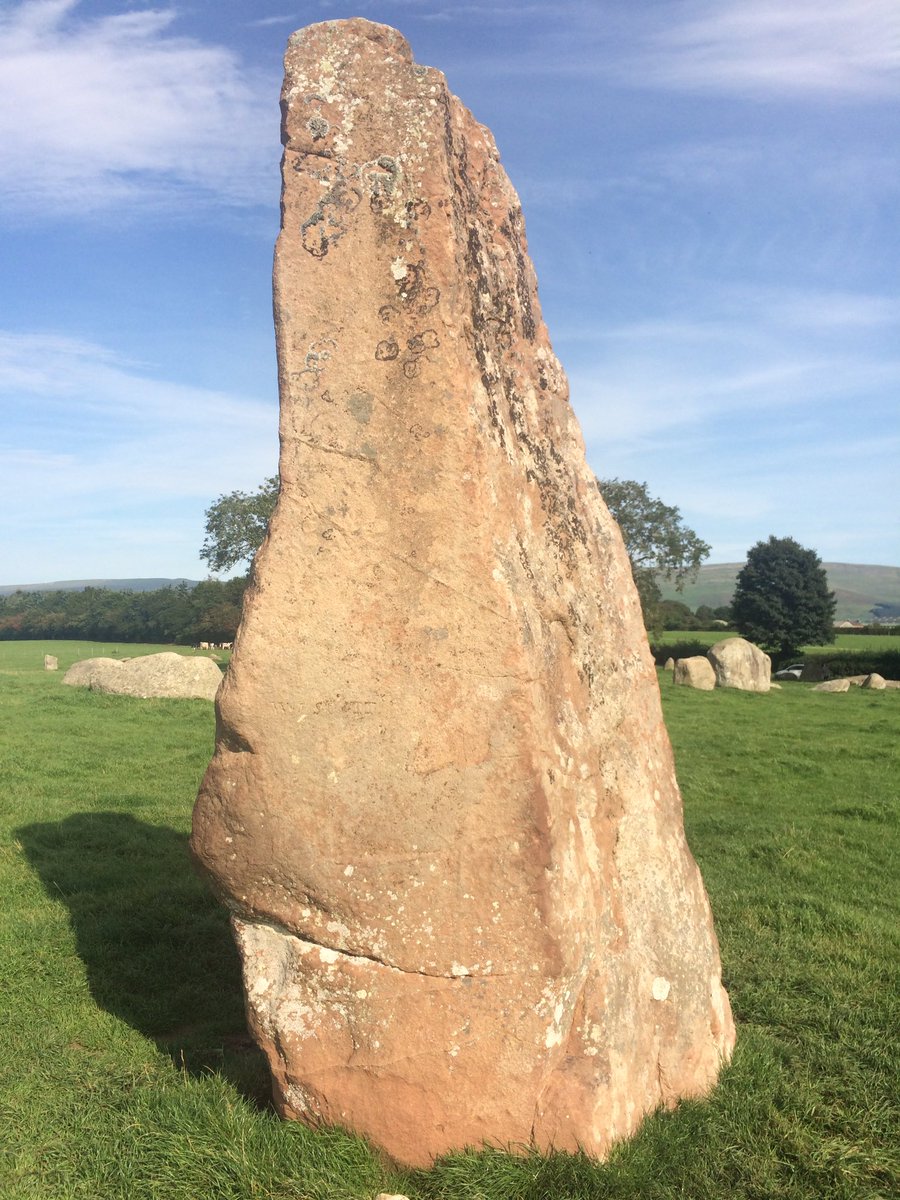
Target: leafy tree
706 615
236 525
781 601
656 539
673 614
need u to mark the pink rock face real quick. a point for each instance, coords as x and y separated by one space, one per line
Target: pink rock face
442 806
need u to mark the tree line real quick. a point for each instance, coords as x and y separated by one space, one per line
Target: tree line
182 615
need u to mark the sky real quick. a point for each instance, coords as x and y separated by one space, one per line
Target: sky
711 191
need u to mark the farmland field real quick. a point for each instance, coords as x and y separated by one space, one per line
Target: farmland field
842 641
125 1070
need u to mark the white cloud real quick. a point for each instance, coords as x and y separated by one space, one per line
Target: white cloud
87 431
770 47
768 410
121 111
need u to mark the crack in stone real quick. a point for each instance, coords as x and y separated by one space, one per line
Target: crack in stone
366 458
278 927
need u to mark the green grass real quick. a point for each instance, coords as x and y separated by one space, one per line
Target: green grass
842 641
125 1071
29 655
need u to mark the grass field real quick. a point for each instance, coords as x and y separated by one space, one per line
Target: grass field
842 641
125 1071
29 656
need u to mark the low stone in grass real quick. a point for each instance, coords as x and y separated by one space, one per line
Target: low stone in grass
739 664
167 675
833 685
695 672
874 682
51 662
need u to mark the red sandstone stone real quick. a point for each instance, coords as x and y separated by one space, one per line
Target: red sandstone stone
443 807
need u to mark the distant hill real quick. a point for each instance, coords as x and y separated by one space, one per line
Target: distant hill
858 589
78 585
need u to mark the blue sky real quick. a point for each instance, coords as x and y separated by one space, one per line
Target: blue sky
711 195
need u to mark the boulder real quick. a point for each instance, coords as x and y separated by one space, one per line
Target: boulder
739 664
83 673
892 683
442 807
669 664
169 675
51 662
874 682
833 685
695 672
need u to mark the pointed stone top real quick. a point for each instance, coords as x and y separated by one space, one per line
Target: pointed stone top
346 32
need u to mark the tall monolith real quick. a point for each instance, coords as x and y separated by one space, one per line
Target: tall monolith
442 807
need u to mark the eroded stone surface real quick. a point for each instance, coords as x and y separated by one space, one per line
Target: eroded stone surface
739 664
443 808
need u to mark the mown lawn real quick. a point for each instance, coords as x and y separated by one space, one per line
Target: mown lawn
125 1071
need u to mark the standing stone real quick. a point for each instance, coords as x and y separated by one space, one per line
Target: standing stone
669 664
739 664
442 807
695 672
51 662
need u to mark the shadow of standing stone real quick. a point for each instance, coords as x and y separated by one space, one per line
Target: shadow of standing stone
156 946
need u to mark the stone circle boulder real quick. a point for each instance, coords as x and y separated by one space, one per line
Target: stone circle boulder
739 664
51 662
695 672
833 685
874 682
167 675
669 664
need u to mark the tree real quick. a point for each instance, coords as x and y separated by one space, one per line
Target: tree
656 539
236 525
781 601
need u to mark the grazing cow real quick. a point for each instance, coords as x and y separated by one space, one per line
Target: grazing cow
205 646
226 645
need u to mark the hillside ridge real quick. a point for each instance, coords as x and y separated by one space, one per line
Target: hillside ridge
114 585
859 588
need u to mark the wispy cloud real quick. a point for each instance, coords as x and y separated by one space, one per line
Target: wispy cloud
95 434
756 352
768 48
763 410
268 22
121 111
